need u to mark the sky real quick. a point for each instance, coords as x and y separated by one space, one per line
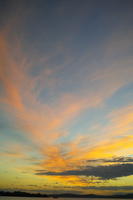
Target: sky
66 96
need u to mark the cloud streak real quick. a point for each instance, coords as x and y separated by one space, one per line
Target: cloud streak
103 172
58 87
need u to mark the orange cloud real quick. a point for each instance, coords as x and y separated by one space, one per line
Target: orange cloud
44 123
116 141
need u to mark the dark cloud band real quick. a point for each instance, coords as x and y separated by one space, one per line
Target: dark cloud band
103 172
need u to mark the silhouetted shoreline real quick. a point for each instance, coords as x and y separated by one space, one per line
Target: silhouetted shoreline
25 194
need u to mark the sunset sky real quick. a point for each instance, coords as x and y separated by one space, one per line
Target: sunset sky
66 96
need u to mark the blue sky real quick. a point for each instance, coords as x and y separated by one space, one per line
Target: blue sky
66 93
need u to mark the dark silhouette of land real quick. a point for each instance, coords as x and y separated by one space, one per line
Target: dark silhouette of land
25 194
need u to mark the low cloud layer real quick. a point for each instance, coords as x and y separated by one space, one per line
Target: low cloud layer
113 160
103 172
109 188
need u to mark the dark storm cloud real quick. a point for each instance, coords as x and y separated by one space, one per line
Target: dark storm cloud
103 172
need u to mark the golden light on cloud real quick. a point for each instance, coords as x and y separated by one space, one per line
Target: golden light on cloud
66 110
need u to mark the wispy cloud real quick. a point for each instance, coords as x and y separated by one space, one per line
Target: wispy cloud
49 86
